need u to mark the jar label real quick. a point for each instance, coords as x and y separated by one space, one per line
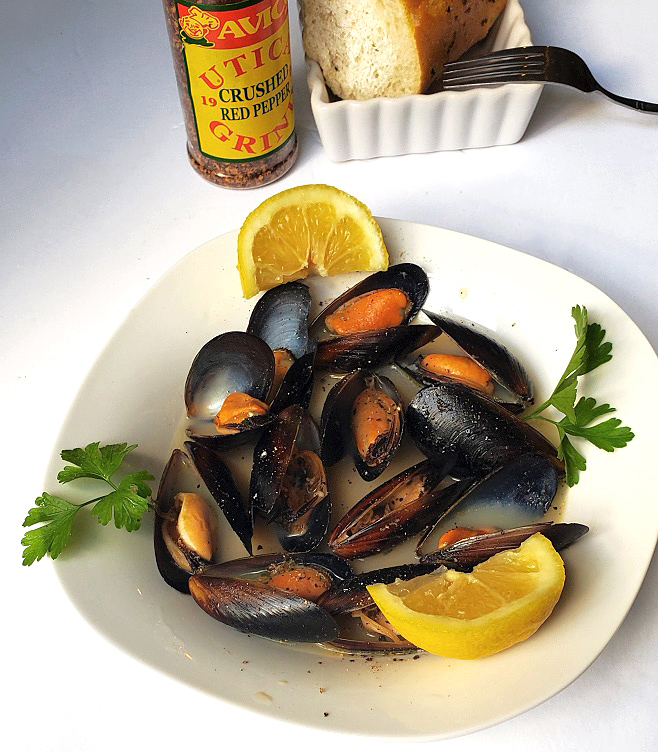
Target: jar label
239 76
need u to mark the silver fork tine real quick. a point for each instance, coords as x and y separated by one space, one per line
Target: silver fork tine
500 68
532 64
513 58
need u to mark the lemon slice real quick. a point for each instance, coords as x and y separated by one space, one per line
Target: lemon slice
310 229
501 602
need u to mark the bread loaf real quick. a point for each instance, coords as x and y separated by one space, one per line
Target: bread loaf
390 48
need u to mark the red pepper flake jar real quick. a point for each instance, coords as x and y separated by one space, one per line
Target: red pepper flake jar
232 62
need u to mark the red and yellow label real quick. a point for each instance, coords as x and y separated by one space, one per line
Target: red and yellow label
240 80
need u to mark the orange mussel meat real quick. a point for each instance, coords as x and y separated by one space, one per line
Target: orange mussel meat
378 309
236 409
459 368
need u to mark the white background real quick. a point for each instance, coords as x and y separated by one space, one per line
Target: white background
97 201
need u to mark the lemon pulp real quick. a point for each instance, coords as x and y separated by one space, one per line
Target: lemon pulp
501 602
310 229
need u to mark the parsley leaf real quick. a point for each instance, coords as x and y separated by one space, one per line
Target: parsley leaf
591 351
126 503
93 461
50 538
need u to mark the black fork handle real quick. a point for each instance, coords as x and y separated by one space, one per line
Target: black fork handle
635 104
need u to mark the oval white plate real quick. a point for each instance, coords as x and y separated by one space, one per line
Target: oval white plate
528 303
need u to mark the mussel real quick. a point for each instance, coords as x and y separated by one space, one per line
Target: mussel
485 358
409 280
524 487
288 482
480 435
468 552
184 529
280 318
367 324
396 510
363 412
272 595
227 387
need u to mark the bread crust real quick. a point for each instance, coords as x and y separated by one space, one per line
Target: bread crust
442 31
445 29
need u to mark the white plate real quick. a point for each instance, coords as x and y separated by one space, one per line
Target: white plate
527 302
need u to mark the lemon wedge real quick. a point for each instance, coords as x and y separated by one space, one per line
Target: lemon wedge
501 602
310 229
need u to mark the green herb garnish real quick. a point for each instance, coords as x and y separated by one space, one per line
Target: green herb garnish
579 416
125 503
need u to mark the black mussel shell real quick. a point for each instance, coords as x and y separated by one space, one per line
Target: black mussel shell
272 454
351 595
409 278
258 609
396 510
480 434
179 475
526 485
372 348
231 362
467 553
494 357
334 438
292 433
220 483
336 430
297 385
280 318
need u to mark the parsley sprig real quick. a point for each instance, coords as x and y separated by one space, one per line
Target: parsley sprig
591 352
125 503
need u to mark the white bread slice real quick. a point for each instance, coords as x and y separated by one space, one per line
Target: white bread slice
391 48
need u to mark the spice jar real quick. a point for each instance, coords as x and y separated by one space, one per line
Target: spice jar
232 61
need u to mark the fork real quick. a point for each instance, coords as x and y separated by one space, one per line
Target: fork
528 65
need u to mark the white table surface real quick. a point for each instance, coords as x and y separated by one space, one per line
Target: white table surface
97 201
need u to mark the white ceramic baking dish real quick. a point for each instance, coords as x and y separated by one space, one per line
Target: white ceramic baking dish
444 121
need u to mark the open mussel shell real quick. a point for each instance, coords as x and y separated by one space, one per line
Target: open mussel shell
374 348
179 475
239 594
487 352
280 318
362 413
523 488
262 610
409 278
230 363
288 483
451 419
219 481
467 553
399 508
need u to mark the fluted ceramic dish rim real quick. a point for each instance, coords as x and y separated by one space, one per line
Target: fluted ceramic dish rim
111 576
385 123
